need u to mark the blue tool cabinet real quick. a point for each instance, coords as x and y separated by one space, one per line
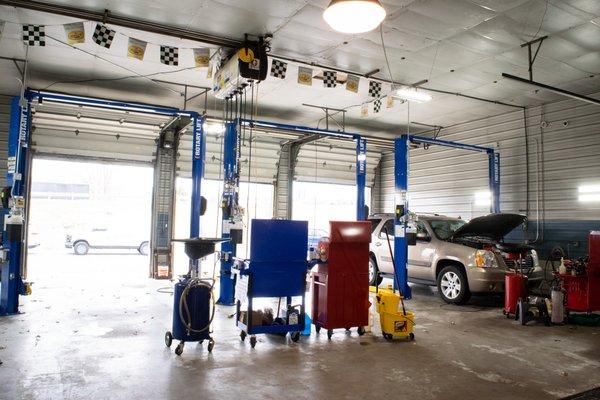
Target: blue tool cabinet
276 269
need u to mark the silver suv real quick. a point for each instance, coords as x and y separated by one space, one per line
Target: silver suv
458 257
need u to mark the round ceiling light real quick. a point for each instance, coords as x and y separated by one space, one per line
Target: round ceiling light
354 16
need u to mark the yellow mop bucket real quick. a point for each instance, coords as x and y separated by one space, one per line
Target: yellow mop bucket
395 321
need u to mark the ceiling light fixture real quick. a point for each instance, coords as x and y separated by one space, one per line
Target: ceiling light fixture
411 94
354 16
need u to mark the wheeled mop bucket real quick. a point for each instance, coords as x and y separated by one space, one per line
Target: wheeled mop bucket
395 322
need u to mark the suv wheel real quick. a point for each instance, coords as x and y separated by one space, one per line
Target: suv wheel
81 248
374 277
143 249
453 286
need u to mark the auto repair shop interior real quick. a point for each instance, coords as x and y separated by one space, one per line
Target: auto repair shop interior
308 199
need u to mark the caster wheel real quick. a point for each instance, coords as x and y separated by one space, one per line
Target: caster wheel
168 339
318 328
411 336
387 336
179 349
243 335
211 345
329 334
361 330
295 336
252 341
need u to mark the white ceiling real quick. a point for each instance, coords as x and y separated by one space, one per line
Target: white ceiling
458 45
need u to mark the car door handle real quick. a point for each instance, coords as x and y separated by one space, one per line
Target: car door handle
377 244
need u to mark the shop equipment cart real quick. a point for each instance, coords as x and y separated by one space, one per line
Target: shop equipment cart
276 269
340 286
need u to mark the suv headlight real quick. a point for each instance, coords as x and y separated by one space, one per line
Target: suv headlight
485 259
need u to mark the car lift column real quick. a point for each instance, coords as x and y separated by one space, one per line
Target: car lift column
163 200
361 178
494 176
229 207
12 284
198 151
401 214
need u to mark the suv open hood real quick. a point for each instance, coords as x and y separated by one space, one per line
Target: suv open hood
492 226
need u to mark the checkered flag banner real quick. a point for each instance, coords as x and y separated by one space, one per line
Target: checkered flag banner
377 106
278 69
329 79
103 36
34 35
375 89
169 55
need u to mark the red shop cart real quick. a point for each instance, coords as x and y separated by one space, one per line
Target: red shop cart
340 285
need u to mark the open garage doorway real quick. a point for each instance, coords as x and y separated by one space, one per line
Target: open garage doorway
88 222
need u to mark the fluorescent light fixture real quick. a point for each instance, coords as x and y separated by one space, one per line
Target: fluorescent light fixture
411 94
354 16
589 193
483 198
214 128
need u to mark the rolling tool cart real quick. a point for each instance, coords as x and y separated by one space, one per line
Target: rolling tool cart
581 283
276 269
340 285
192 308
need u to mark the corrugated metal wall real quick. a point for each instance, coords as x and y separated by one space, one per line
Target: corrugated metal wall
4 124
564 153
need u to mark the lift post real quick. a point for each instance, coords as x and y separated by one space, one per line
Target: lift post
198 152
230 207
401 214
11 268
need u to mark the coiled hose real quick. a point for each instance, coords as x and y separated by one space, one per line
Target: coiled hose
184 311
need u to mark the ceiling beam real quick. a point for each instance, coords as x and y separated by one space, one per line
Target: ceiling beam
553 89
108 18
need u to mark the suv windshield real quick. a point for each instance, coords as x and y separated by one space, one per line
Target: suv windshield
374 223
445 228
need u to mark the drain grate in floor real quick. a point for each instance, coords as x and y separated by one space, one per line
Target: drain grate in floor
593 394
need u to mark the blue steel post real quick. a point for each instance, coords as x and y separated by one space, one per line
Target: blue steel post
198 150
229 204
18 141
361 177
401 213
494 171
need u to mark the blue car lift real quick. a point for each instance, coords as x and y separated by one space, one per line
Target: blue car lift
231 157
401 168
12 284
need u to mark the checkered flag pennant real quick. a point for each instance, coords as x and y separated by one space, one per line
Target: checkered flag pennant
103 36
375 89
377 106
329 79
278 69
34 35
169 55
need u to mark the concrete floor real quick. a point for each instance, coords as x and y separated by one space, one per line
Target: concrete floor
94 328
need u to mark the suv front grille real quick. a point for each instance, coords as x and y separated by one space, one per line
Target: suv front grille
525 264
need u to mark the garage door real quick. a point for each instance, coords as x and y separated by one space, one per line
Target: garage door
91 132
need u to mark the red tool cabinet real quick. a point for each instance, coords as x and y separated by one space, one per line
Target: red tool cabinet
340 286
583 291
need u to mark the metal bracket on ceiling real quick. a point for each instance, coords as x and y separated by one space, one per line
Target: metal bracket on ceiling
531 58
329 115
106 15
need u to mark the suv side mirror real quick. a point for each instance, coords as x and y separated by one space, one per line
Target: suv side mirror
423 237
